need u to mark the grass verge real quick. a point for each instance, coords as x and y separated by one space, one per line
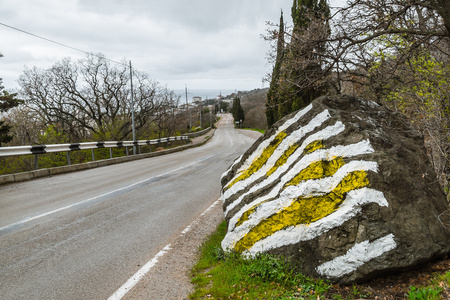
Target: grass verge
262 131
224 275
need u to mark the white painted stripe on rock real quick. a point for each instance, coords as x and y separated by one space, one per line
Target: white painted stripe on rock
362 147
324 134
287 142
264 144
231 167
357 256
314 187
349 208
321 186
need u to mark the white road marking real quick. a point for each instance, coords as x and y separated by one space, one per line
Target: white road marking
124 289
138 275
187 229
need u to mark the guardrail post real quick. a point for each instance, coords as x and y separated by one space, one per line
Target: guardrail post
110 153
126 150
134 147
36 163
68 158
93 155
139 149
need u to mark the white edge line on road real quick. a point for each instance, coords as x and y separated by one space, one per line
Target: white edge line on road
124 289
187 229
138 276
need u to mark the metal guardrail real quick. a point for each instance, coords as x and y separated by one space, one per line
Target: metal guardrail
55 148
198 133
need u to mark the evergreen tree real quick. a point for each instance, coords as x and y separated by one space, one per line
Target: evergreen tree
238 111
305 65
294 79
273 93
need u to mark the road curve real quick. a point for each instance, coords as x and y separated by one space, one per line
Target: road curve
83 235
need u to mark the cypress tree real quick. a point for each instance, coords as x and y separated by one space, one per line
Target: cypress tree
273 98
297 67
308 67
7 101
238 110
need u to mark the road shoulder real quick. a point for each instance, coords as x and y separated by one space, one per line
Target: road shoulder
169 278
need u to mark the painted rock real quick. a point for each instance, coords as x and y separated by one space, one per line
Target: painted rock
343 188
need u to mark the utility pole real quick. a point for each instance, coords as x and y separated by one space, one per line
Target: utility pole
132 110
187 105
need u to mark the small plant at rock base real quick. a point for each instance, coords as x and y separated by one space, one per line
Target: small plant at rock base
269 268
428 293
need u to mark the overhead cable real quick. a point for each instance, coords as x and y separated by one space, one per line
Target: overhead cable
60 44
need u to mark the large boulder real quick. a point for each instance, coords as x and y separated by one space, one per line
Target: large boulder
343 188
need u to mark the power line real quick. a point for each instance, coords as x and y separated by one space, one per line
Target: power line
60 44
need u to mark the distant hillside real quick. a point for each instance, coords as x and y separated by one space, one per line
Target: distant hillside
254 104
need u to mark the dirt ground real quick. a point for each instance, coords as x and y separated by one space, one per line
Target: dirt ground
397 286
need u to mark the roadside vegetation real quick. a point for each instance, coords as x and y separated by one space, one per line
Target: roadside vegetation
393 52
222 275
262 131
89 100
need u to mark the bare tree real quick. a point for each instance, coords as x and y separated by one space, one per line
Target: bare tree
165 115
26 126
89 98
364 31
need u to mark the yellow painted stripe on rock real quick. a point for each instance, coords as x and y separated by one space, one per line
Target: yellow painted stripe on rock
304 210
316 145
245 216
261 160
316 170
282 160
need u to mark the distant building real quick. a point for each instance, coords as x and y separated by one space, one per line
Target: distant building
197 99
229 101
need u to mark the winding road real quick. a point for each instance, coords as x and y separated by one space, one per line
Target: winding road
83 235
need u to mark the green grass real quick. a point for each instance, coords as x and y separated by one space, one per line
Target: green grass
433 291
256 129
227 275
426 293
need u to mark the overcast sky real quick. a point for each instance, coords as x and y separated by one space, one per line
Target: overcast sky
204 44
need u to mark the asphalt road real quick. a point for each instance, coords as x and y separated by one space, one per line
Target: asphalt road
83 235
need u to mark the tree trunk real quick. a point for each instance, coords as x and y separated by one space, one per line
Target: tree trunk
443 8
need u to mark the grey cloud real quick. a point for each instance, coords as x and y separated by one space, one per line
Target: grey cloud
172 40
